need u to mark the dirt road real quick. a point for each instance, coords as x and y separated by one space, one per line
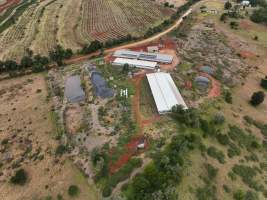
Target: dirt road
134 44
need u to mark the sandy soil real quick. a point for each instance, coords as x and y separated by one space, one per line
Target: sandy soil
73 118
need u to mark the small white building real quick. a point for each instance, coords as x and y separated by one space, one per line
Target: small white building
165 92
245 3
154 57
135 63
153 49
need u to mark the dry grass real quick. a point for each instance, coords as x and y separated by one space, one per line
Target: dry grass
25 122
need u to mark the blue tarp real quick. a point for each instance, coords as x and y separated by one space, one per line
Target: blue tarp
100 86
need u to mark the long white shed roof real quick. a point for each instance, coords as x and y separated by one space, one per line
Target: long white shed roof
156 57
136 63
165 92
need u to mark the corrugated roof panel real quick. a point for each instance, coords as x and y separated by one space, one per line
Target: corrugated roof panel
165 92
134 62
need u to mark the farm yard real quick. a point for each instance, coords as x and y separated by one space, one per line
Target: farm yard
41 25
91 129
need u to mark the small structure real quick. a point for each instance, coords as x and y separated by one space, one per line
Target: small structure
245 3
153 49
135 63
154 57
202 81
165 92
207 69
100 86
73 90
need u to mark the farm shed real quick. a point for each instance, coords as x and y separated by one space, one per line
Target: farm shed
207 69
165 92
73 90
100 86
135 63
155 57
202 81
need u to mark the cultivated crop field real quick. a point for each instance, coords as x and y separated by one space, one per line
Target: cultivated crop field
41 25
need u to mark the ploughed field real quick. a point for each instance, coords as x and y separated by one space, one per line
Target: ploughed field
42 24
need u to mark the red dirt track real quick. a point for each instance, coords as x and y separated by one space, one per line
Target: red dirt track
131 150
8 4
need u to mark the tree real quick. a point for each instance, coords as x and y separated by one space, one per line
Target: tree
126 68
223 17
264 82
239 195
26 62
227 5
73 190
257 98
228 97
92 47
19 178
234 24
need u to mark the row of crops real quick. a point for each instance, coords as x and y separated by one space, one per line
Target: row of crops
42 24
109 19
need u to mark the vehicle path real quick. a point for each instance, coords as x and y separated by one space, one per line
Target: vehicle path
134 44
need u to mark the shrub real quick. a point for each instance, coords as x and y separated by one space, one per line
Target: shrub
73 190
233 150
20 177
257 98
244 140
212 171
206 192
106 191
227 5
217 154
228 97
234 24
223 17
61 149
218 119
250 195
223 139
247 174
264 82
226 189
239 195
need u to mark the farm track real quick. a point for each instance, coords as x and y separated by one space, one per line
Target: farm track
133 44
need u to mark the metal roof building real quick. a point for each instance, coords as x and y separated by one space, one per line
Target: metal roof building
135 63
165 92
73 90
155 57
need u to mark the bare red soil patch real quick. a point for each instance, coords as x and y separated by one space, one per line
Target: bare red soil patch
8 4
245 24
215 90
131 149
247 54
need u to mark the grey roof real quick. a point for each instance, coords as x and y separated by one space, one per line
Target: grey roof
202 81
73 91
207 69
156 57
100 86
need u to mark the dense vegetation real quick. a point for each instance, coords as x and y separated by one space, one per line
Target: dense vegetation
260 14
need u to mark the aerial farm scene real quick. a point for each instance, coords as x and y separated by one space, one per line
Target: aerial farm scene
133 100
